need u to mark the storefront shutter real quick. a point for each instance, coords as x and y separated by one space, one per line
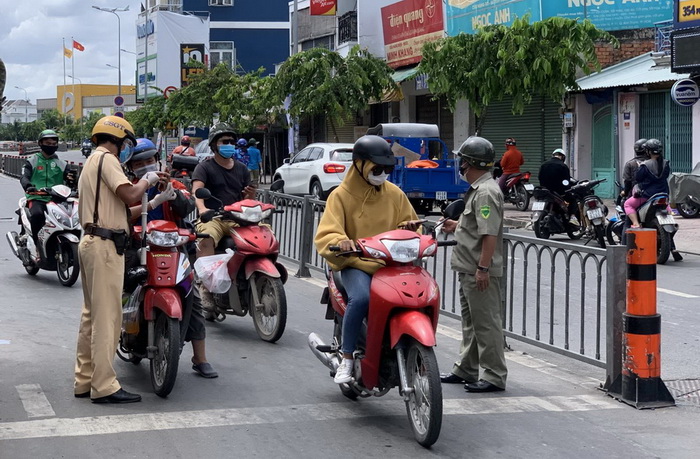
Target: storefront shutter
660 118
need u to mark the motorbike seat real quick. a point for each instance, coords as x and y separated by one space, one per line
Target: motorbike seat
337 278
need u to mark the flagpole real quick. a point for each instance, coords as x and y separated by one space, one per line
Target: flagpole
72 74
63 102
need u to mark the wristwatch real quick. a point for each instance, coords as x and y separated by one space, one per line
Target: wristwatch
482 269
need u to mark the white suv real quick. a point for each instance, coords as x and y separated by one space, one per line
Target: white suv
315 170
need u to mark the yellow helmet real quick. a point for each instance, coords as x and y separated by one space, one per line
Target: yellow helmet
116 127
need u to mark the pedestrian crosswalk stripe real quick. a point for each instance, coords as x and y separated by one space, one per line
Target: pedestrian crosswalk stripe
145 422
35 403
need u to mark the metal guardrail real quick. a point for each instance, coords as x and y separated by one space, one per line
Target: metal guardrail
559 296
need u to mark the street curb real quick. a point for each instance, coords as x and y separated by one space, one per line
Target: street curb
515 223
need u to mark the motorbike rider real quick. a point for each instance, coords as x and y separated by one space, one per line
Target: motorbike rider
652 178
510 162
631 167
183 149
228 180
43 170
242 151
170 202
365 204
552 175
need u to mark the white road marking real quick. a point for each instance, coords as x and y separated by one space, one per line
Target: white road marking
675 293
4 341
35 403
144 422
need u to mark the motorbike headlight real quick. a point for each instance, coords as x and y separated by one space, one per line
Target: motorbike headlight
253 214
403 251
166 238
430 250
63 219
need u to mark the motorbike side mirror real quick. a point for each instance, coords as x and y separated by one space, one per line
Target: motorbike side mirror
454 209
277 185
202 193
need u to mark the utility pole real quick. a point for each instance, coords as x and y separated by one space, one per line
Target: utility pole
119 39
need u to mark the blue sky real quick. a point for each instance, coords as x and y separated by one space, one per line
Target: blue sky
31 33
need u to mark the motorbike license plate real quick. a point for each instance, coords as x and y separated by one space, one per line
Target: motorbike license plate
666 219
538 205
594 213
441 195
529 186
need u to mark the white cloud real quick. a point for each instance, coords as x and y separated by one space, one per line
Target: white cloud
32 32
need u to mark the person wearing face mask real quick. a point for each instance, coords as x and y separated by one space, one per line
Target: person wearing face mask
105 194
478 260
228 180
364 204
43 170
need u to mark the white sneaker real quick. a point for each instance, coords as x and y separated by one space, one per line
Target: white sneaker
344 373
573 220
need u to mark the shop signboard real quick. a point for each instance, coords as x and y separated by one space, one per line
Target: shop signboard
468 15
611 14
407 25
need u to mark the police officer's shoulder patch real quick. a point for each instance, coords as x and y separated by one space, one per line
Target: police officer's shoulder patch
485 211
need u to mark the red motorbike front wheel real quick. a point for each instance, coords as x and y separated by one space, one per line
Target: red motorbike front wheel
424 404
270 315
164 364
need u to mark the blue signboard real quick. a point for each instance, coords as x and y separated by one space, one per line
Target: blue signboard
468 15
612 14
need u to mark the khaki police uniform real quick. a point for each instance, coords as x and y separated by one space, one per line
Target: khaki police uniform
102 275
482 333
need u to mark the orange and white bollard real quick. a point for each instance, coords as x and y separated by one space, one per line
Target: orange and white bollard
639 383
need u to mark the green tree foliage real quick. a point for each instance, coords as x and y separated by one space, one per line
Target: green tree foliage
147 118
195 103
322 82
519 61
52 119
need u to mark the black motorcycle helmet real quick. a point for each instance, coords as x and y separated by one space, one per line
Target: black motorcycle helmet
639 146
654 147
373 148
477 152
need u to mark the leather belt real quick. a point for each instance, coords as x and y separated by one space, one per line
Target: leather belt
104 233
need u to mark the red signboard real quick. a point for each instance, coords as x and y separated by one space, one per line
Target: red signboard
408 25
323 7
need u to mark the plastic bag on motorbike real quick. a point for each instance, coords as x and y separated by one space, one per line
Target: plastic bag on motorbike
130 312
213 271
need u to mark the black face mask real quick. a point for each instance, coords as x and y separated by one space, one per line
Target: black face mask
49 149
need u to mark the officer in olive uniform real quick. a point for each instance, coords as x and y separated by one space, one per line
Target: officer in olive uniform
478 260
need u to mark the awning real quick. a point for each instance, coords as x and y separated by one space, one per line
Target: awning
405 74
645 69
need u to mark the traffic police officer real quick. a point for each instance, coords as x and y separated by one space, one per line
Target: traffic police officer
478 260
105 191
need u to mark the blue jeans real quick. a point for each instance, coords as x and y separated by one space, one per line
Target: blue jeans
357 285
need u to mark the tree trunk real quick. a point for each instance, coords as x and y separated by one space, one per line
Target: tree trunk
481 120
335 132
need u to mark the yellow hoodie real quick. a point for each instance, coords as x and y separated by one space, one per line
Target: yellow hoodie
357 209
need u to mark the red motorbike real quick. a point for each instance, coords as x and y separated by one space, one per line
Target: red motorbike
518 187
158 295
257 279
395 347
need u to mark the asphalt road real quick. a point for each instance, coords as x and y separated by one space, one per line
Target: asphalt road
277 400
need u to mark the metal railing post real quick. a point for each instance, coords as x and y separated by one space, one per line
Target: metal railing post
615 298
307 237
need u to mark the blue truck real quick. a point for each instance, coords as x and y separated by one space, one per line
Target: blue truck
437 180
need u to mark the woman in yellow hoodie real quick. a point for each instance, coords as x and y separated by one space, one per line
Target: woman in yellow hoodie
364 205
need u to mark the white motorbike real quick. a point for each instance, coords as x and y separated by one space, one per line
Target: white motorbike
58 239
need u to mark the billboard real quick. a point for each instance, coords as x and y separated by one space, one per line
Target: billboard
192 61
407 25
611 14
468 15
323 7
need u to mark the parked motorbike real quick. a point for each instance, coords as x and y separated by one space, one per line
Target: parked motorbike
591 209
652 214
685 192
550 215
518 187
257 279
395 347
58 239
616 223
158 295
181 169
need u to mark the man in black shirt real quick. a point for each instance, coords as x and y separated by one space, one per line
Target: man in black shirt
554 172
226 178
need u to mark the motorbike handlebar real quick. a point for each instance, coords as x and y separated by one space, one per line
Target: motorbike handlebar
202 235
446 243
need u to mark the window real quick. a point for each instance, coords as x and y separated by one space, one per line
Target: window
341 155
220 2
317 153
222 51
327 42
302 156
